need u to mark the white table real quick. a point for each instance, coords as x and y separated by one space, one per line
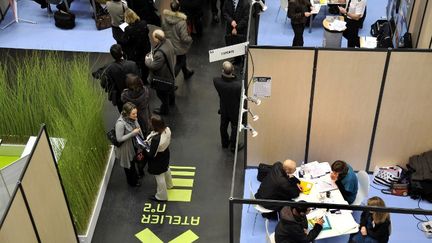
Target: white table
342 223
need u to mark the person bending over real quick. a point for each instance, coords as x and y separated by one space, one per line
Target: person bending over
279 184
375 227
293 225
345 179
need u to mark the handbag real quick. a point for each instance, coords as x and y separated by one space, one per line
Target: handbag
113 139
64 20
162 83
103 21
387 176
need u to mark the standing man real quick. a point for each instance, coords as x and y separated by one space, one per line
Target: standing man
115 79
353 12
236 14
229 90
116 10
161 63
175 28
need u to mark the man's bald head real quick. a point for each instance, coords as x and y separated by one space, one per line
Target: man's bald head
289 166
227 67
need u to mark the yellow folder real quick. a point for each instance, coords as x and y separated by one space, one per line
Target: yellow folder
306 186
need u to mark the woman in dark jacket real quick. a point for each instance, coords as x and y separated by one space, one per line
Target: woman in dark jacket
158 157
298 12
293 225
139 95
136 41
374 226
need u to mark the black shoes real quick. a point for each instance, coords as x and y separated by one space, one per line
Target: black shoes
215 18
153 198
240 147
188 74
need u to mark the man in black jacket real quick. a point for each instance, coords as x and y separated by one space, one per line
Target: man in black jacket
279 184
236 14
293 225
229 90
116 72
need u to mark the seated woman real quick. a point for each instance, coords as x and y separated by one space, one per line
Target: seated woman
374 226
345 179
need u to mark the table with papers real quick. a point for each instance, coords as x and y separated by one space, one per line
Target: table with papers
340 222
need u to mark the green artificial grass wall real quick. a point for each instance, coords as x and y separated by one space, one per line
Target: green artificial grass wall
9 154
44 87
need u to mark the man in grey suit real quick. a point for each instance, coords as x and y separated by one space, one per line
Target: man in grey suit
161 62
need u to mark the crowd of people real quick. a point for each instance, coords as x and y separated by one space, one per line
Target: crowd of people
141 63
280 183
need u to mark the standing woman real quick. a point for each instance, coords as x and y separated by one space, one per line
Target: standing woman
139 95
158 157
136 41
126 129
116 9
299 11
375 227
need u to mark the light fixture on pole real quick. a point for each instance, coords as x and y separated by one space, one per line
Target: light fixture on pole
254 117
252 99
248 127
260 2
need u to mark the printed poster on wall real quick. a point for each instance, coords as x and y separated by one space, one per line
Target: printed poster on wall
262 87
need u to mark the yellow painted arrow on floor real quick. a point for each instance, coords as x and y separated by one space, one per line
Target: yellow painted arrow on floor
147 235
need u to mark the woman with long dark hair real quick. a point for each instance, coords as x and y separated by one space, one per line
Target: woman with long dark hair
158 157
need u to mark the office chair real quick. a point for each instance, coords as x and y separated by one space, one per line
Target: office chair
270 238
363 187
258 208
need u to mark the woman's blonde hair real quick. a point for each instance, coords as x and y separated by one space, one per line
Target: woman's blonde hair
130 16
378 217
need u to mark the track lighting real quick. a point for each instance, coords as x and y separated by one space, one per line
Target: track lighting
254 133
260 2
254 117
252 99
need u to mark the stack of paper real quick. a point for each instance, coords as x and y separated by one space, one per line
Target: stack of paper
337 25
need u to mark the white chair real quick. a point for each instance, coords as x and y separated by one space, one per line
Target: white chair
270 238
363 187
258 208
283 5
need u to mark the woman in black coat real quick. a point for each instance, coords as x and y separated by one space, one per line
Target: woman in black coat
136 41
158 156
299 11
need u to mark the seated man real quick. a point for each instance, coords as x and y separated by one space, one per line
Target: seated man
279 184
345 179
293 226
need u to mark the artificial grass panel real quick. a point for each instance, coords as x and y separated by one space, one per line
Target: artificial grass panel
7 160
182 182
179 195
16 150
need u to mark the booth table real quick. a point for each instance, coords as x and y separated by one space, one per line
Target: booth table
316 7
342 222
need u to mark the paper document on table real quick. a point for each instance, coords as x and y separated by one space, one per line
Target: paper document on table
337 25
347 224
319 169
325 186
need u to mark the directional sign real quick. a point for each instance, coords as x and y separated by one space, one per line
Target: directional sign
147 236
228 52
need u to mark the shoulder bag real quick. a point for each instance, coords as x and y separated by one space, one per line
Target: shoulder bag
113 139
161 83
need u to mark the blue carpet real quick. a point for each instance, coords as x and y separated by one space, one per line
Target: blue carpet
404 227
278 32
44 35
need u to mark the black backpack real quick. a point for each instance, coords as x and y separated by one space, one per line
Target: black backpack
384 38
